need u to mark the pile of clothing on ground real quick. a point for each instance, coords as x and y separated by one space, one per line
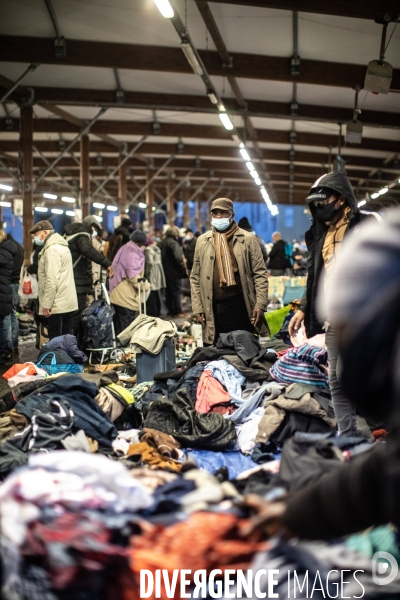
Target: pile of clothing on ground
101 481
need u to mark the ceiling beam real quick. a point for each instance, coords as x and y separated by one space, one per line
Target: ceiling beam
180 102
358 9
167 59
186 130
152 149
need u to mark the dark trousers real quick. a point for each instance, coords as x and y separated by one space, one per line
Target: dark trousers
345 412
77 314
123 318
231 315
153 304
59 324
173 293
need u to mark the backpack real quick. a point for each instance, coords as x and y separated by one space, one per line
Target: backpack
289 255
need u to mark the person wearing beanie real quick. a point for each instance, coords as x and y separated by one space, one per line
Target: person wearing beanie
79 237
229 281
243 223
335 215
57 299
175 270
128 267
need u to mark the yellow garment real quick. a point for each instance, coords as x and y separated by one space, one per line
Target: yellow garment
153 458
333 243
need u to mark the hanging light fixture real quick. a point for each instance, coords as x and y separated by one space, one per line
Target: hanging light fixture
165 8
225 120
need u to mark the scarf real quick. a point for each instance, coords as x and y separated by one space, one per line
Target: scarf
224 256
128 263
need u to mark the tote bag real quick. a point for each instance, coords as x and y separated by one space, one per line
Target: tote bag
53 368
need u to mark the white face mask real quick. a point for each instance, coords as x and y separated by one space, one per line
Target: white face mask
94 234
220 224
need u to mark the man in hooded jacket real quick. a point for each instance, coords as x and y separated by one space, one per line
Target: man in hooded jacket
79 238
335 214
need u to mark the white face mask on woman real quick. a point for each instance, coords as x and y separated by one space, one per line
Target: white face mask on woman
221 224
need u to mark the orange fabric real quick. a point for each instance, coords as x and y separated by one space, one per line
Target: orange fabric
17 368
209 392
205 541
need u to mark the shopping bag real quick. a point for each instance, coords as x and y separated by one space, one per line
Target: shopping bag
22 373
28 286
54 368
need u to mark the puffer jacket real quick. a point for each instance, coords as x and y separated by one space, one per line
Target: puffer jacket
253 277
8 251
83 254
315 237
18 260
55 277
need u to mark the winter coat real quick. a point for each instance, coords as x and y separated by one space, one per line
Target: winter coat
252 271
189 249
154 271
172 259
315 237
8 252
83 254
55 277
126 293
18 260
277 256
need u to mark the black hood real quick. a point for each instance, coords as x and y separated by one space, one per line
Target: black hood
339 183
74 228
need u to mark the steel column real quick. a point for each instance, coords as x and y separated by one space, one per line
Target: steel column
122 189
85 176
150 200
26 150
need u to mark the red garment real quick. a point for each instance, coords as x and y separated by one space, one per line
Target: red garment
224 409
209 392
205 541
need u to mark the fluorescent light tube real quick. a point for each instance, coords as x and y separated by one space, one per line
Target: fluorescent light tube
244 154
165 8
50 196
221 107
5 204
8 188
57 211
361 203
376 195
258 181
192 58
226 122
213 98
98 205
67 199
250 166
254 174
111 207
41 209
142 205
70 213
383 191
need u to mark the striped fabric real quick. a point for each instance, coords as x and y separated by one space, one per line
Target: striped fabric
305 364
223 256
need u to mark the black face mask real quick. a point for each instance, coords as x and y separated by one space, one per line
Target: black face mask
327 213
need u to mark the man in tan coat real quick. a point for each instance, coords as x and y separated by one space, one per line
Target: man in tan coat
229 281
57 294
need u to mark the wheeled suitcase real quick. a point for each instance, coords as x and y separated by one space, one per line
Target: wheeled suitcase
148 364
